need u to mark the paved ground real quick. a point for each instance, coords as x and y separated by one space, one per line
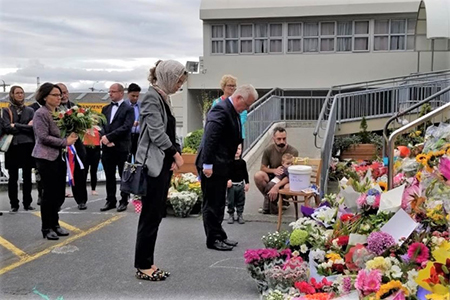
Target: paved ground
96 260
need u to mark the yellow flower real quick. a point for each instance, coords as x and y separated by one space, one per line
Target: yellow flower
419 176
333 256
421 158
383 185
436 213
391 285
378 263
438 297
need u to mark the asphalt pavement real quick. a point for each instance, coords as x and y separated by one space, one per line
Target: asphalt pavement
96 260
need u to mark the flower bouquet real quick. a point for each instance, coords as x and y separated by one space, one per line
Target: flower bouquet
182 202
186 183
79 120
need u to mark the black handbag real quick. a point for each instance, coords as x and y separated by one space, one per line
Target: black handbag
134 177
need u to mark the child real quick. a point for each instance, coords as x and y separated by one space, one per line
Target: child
237 186
271 191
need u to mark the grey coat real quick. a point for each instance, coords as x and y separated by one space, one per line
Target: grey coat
153 122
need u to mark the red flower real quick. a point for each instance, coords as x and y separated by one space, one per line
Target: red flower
69 112
338 268
343 240
305 287
82 110
346 217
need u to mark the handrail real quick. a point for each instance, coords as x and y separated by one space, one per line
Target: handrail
419 121
263 98
409 109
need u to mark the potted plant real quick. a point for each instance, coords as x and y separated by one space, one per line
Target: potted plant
184 194
364 145
189 152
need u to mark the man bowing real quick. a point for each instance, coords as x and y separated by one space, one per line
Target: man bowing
223 134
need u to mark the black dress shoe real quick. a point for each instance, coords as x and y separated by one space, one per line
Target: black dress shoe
29 207
108 206
122 207
49 234
230 242
82 206
220 245
14 209
61 232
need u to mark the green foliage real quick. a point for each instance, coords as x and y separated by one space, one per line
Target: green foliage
193 139
298 237
364 134
276 240
188 150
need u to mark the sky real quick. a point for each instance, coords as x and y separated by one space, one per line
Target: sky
94 43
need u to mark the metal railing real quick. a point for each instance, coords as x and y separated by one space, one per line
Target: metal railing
372 102
275 108
405 128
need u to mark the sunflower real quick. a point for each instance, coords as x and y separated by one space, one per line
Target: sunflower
419 176
422 158
391 286
383 186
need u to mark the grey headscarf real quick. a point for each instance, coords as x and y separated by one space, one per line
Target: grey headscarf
168 73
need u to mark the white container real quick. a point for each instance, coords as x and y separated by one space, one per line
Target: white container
299 177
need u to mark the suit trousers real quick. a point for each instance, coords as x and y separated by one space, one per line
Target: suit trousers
134 143
214 191
79 190
153 210
92 161
53 177
13 187
112 159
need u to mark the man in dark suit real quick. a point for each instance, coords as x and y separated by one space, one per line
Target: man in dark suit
223 134
79 189
116 140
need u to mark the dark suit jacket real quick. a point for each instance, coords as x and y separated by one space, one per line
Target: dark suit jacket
23 133
35 106
119 130
221 137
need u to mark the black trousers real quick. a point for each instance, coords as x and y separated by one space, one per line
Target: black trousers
153 210
111 160
13 187
91 166
214 195
79 190
53 178
134 143
236 198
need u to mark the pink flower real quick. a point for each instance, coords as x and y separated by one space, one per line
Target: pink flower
361 200
398 179
410 193
368 282
418 252
444 167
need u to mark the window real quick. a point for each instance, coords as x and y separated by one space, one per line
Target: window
394 35
294 42
361 36
344 36
217 38
327 36
311 37
261 38
276 38
231 38
246 38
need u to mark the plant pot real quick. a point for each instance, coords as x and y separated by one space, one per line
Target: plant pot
360 152
189 164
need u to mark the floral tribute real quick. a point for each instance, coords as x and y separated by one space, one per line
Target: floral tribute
184 192
353 246
79 120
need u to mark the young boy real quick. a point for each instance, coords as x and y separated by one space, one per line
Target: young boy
237 187
271 190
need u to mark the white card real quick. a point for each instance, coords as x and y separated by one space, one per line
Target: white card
355 238
401 225
350 197
391 201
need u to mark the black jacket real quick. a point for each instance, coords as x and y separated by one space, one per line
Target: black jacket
221 138
23 133
119 130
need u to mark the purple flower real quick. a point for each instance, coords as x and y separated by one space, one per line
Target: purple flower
379 241
347 285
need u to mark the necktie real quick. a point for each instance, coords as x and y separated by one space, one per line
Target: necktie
115 103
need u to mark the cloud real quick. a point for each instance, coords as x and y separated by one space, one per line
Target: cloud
97 40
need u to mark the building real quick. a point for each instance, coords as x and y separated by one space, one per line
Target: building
307 46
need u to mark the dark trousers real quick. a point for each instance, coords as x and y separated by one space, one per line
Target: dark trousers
214 193
134 143
270 206
92 161
53 177
236 198
112 160
39 185
13 187
153 210
79 190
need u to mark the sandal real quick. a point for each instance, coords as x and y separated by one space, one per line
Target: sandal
164 273
155 276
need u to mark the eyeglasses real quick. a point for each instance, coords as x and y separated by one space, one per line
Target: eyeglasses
233 86
56 95
112 92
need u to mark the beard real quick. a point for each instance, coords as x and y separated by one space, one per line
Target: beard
281 145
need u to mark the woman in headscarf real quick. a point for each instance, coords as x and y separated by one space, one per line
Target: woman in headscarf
159 149
17 120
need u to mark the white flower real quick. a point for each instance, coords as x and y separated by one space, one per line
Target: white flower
318 255
370 200
75 107
396 272
303 248
411 284
80 115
